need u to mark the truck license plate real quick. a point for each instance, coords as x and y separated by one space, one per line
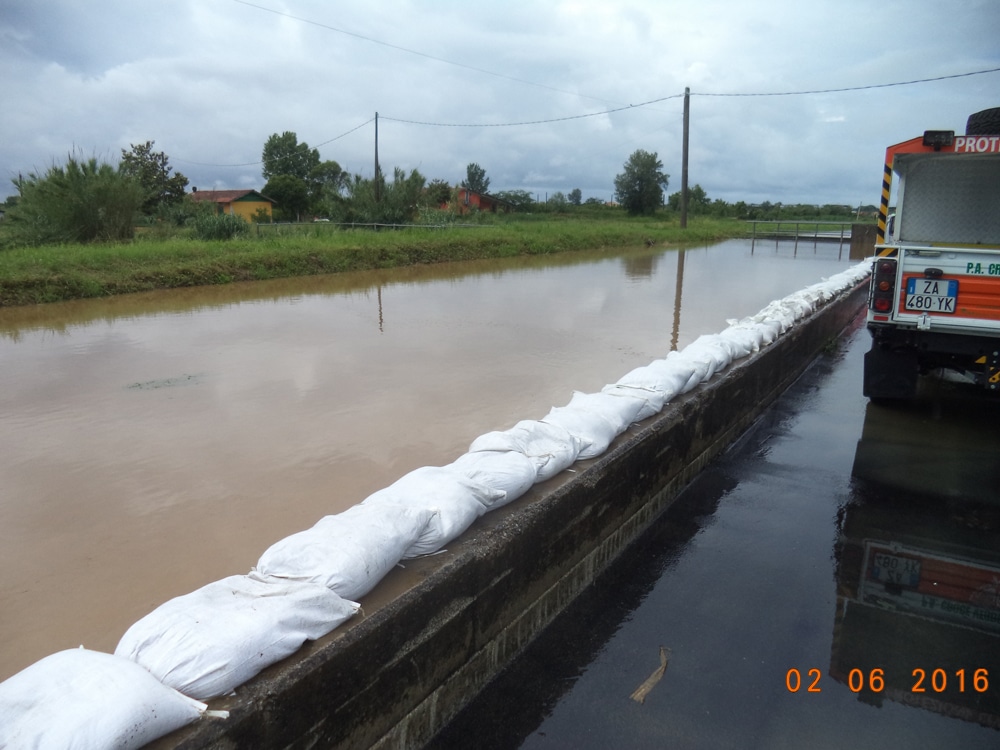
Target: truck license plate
931 295
903 571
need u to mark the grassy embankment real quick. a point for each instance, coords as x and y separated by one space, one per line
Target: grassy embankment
30 275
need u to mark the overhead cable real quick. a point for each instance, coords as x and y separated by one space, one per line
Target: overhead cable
416 52
261 161
852 88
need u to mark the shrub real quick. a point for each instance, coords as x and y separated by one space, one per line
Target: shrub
82 201
219 226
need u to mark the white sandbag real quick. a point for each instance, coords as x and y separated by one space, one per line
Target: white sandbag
652 400
349 552
750 334
214 639
700 369
739 342
776 312
669 376
770 330
550 447
621 409
509 471
709 353
456 500
594 431
85 700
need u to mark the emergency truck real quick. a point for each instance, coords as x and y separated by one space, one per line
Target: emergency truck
934 298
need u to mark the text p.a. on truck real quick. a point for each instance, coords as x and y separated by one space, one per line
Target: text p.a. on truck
934 299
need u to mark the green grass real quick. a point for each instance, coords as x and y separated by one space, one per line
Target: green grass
31 275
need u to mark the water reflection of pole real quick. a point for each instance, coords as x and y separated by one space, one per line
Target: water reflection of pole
677 301
379 289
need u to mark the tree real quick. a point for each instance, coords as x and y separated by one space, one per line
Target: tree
438 193
290 193
476 179
575 196
698 201
640 187
152 171
520 199
327 178
398 202
283 154
326 184
82 201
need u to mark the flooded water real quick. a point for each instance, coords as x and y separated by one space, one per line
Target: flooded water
152 443
833 581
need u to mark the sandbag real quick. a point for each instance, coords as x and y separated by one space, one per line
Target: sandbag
509 471
652 400
741 342
620 408
455 499
668 376
594 431
209 642
709 354
749 334
349 552
86 700
550 447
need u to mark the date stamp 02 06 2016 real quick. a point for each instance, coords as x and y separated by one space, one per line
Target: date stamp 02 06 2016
924 681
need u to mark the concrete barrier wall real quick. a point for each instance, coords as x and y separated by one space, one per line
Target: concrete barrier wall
433 635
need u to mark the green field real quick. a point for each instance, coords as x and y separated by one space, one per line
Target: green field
31 275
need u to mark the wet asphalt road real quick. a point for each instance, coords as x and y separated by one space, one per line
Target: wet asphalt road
799 549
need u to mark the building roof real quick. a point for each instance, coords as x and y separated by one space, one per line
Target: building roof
226 196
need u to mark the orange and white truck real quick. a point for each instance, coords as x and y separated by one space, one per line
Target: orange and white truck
934 299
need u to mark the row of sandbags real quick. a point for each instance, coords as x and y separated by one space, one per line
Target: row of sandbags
206 643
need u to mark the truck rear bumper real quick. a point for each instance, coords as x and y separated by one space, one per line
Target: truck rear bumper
896 351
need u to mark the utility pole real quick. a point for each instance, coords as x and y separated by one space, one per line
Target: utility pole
378 183
684 159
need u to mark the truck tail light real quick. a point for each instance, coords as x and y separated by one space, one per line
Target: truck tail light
883 285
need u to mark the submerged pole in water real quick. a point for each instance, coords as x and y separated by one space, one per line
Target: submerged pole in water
684 159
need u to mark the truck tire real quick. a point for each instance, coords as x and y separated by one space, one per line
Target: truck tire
986 122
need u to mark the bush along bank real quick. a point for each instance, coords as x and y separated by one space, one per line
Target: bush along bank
32 275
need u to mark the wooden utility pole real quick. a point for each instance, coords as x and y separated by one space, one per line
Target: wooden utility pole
684 159
378 186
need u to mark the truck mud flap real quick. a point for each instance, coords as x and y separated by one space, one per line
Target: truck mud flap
890 374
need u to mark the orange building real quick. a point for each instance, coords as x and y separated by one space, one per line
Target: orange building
244 203
468 200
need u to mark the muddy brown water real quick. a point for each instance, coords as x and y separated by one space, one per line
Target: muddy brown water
152 443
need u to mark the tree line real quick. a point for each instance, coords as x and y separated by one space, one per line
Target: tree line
85 200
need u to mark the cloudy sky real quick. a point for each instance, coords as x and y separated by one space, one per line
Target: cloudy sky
546 96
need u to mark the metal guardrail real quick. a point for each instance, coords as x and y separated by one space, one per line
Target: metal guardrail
802 230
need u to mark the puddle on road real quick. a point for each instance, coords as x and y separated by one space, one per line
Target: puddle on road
155 442
780 568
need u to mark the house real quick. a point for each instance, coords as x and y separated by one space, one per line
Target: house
244 203
467 200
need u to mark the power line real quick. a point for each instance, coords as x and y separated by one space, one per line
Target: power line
693 93
417 52
261 161
567 118
854 88
529 122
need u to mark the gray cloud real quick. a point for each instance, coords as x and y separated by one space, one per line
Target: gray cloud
210 80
